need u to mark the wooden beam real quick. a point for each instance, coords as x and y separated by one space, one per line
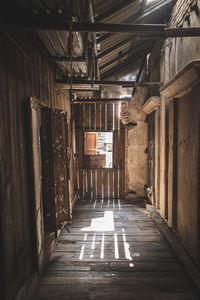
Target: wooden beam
67 59
155 30
124 84
55 24
99 100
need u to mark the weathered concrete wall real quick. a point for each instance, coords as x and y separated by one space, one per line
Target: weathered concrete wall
24 71
137 143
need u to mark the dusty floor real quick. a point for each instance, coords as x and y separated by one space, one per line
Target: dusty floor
113 251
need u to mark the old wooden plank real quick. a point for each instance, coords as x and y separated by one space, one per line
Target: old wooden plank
93 114
102 107
110 116
87 116
98 116
110 184
99 183
105 183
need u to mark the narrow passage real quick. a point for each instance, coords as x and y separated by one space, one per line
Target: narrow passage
113 251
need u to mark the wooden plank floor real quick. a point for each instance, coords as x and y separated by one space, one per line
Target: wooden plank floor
113 251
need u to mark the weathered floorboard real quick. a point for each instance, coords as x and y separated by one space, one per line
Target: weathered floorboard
113 251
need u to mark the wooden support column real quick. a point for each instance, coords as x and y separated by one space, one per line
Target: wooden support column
172 165
162 157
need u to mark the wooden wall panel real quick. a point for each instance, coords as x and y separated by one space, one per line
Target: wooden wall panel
23 74
98 116
93 113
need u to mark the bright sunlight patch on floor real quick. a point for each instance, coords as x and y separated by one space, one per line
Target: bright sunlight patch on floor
105 223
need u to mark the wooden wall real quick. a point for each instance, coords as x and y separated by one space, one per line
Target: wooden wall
98 182
24 71
188 171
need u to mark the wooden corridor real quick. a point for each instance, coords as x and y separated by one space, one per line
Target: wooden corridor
113 251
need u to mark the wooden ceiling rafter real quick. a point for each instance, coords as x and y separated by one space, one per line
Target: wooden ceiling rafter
124 84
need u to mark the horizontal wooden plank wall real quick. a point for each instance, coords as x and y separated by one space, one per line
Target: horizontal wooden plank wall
101 182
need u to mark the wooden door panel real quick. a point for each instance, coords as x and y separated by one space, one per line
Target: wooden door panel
60 176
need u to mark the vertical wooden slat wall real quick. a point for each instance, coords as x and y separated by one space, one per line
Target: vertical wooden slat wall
101 182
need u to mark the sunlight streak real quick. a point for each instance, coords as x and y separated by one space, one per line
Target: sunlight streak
126 246
95 202
82 252
119 204
102 247
113 203
93 241
116 247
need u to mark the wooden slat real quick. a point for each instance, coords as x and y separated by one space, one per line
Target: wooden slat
110 172
116 184
110 116
89 183
116 116
81 183
87 116
121 183
94 183
122 147
105 183
97 116
99 183
116 149
80 149
102 116
80 115
76 115
93 113
85 183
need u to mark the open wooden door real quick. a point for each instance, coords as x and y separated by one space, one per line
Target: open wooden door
49 169
60 168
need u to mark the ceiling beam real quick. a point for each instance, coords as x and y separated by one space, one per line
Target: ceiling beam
67 59
113 10
100 100
50 24
122 83
156 30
